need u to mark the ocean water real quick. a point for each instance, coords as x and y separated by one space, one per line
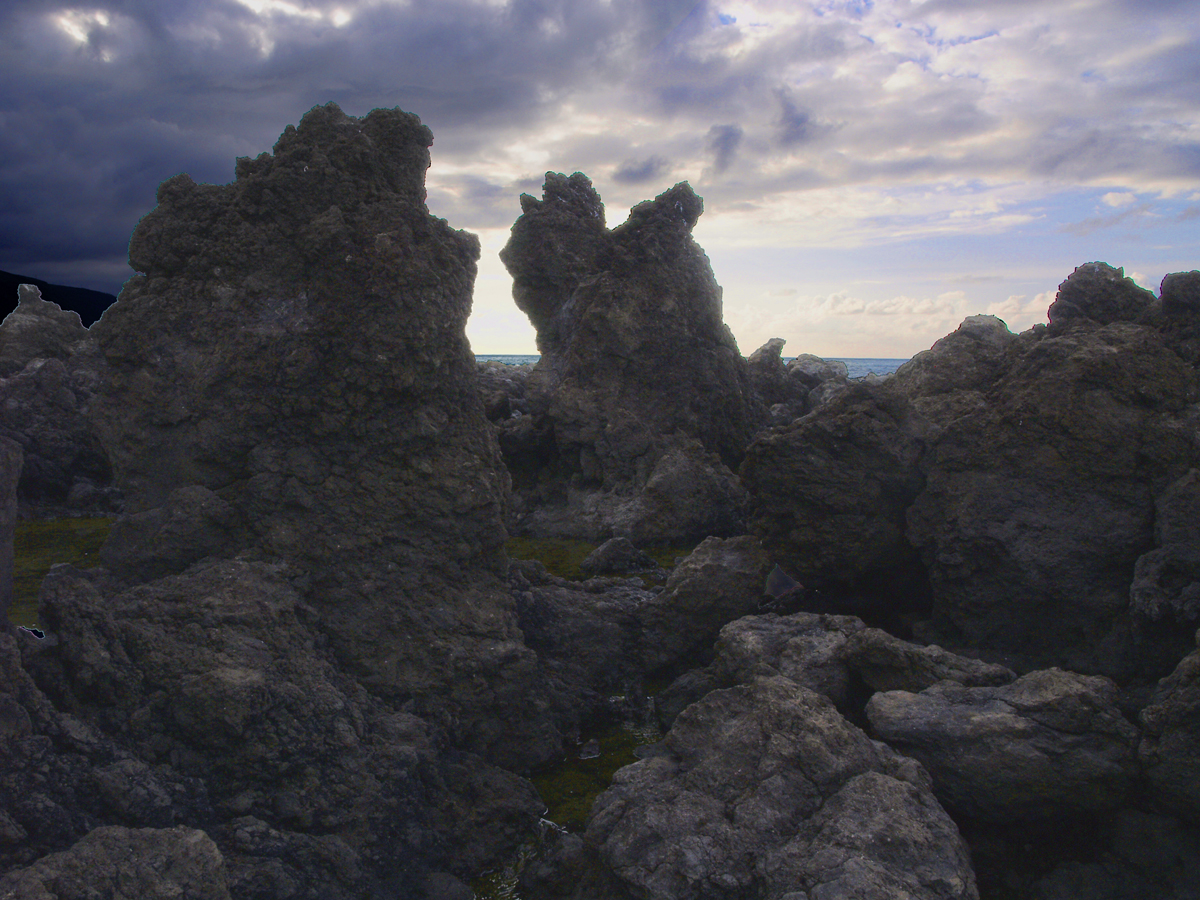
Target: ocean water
859 367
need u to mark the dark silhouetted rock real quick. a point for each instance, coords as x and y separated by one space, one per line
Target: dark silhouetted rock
830 492
765 791
155 864
1180 294
641 398
1170 748
1099 293
503 389
1050 743
295 346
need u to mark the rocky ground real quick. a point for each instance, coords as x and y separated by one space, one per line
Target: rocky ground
936 639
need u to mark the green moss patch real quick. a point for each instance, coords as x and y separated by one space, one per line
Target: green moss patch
39 545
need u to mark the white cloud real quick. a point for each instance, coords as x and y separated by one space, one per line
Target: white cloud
1118 199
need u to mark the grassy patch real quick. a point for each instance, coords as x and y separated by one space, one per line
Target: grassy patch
38 545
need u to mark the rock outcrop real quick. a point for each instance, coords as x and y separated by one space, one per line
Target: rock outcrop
641 404
1170 748
1049 744
1003 488
294 348
48 376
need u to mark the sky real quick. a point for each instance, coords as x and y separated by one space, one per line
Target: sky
872 172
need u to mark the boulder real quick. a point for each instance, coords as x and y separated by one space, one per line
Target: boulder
764 790
294 346
616 556
887 663
1048 744
1099 293
721 580
829 494
639 382
155 864
10 474
1170 747
1180 294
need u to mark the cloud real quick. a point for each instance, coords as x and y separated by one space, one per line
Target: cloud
634 171
1097 223
1117 199
723 142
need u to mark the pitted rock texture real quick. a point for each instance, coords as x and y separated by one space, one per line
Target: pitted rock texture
765 791
1097 292
1049 743
39 329
294 345
641 403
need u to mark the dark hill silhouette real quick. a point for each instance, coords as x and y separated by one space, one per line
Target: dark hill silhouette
88 303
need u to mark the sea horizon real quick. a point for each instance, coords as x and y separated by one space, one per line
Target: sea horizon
857 366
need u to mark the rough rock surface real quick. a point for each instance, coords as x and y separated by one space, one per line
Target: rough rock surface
616 556
721 580
220 677
1002 487
1050 743
1166 581
48 376
641 403
886 663
155 864
10 474
1170 748
295 347
1097 292
764 790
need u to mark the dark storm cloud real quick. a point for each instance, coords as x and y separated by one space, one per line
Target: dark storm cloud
795 125
97 107
634 171
722 142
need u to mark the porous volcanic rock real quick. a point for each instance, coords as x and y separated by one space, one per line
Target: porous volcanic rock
155 864
764 790
1166 581
48 375
640 382
1048 744
294 345
886 663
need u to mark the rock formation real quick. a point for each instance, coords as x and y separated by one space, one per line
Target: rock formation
641 403
1003 488
294 348
48 375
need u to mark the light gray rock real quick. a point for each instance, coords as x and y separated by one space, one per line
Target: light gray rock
764 790
1050 743
154 864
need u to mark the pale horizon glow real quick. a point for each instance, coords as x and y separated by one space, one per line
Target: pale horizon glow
872 172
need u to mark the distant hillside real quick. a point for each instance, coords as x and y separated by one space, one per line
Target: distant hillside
89 304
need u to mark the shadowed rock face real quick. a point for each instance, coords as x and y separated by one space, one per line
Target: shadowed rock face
295 347
641 384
